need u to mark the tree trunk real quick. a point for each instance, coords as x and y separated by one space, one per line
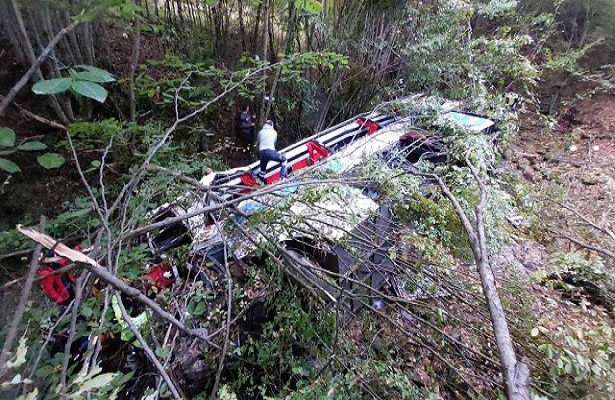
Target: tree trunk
290 30
134 62
88 44
242 28
255 32
180 15
72 38
63 51
12 32
515 373
35 32
262 117
55 64
36 73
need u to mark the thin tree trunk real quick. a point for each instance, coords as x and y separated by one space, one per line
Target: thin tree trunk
73 39
194 13
34 70
23 300
585 25
45 22
12 32
255 32
55 67
134 62
515 372
199 15
35 32
88 43
167 11
262 117
290 29
180 15
242 27
218 36
63 50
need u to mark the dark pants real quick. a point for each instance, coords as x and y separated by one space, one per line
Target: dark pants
265 156
248 135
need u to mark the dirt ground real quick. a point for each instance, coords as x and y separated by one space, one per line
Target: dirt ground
570 168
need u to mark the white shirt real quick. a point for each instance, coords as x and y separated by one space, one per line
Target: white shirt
267 137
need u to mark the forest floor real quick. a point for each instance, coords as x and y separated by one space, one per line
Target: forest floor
570 170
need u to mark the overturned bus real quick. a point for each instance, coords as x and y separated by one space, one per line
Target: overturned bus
328 222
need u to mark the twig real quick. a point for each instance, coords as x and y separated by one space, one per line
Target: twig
25 294
34 366
81 283
148 350
38 118
58 271
229 308
602 229
17 253
587 245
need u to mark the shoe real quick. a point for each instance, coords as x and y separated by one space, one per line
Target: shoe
261 175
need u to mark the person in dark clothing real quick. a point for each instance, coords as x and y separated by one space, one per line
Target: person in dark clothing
267 138
247 121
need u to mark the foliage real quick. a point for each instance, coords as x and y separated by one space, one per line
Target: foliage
95 384
193 84
378 378
8 146
83 83
445 55
298 333
581 357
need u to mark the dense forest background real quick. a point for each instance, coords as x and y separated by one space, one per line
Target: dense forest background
105 103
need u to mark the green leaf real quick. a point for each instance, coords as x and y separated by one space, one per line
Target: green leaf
311 7
7 137
95 75
32 146
51 160
52 86
90 89
9 166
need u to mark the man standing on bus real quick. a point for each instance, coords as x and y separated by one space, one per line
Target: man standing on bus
266 141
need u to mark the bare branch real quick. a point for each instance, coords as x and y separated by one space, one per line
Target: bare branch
81 283
585 219
148 350
515 372
25 294
587 246
229 308
36 117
